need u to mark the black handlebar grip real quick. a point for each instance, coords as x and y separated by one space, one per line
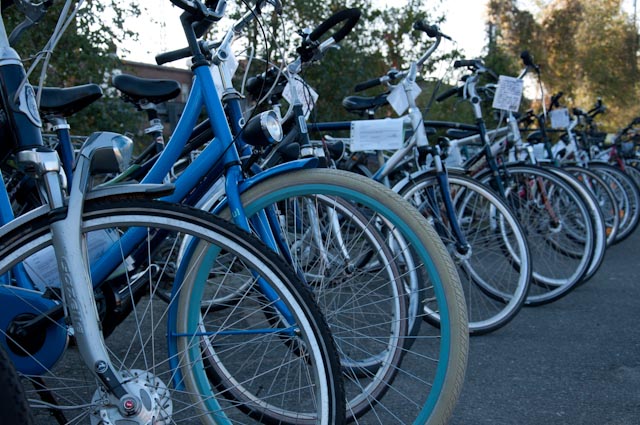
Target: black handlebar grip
172 56
527 59
448 94
367 84
431 30
465 62
349 16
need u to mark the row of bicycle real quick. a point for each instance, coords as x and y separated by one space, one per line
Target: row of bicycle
329 299
344 305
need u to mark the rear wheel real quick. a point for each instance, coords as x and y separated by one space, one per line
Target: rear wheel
271 340
558 226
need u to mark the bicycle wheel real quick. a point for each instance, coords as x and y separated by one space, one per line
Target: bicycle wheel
604 197
496 272
558 226
272 339
13 401
597 219
626 189
630 167
423 384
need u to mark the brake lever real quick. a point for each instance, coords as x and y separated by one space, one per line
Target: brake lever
32 12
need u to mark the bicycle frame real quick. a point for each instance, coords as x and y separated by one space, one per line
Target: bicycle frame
221 153
417 139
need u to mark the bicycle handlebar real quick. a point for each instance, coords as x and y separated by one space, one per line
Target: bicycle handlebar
391 75
474 65
451 92
431 30
368 84
468 63
554 100
420 25
173 55
309 46
527 59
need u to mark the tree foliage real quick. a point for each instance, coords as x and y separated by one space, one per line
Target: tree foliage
586 49
383 39
85 54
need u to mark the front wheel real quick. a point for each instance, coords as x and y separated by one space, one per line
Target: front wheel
420 379
271 341
494 267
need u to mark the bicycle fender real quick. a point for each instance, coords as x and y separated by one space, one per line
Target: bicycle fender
398 187
299 164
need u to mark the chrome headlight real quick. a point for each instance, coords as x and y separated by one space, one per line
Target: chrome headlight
263 129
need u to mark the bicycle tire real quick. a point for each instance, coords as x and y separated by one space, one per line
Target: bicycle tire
630 167
626 183
427 383
496 272
598 219
318 394
559 229
604 196
13 401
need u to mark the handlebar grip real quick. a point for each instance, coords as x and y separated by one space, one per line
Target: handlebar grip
367 84
448 94
555 98
351 16
431 30
527 60
461 63
172 56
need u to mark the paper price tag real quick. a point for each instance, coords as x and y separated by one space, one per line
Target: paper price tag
508 94
398 97
372 135
303 94
559 118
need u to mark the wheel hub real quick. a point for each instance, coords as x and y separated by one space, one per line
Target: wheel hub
148 402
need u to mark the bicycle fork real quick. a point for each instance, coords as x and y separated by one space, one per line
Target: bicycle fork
77 290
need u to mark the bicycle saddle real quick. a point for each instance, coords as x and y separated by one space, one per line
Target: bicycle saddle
535 137
67 101
363 103
138 90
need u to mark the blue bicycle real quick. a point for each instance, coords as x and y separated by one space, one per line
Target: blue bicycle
355 243
83 324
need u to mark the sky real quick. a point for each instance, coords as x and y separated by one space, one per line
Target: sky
465 24
466 28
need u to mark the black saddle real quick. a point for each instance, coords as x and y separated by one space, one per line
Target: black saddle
67 101
140 90
364 103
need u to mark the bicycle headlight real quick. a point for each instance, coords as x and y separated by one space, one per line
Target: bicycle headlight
263 129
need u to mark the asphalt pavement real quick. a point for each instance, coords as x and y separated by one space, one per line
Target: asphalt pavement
574 361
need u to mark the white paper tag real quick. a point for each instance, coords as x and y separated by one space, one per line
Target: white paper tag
508 94
371 135
304 94
559 118
398 97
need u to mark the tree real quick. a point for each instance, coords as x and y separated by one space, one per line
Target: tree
382 39
85 54
586 49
